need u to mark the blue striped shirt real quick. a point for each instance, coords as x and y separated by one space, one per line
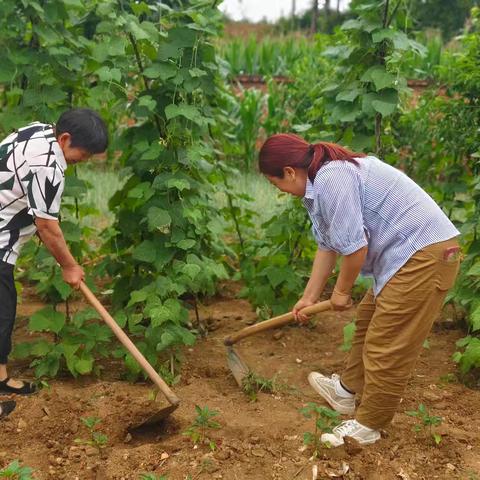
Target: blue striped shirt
377 205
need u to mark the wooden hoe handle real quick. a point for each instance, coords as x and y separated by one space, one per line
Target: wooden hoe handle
276 322
128 344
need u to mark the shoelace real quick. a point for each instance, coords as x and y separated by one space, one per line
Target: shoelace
335 377
346 427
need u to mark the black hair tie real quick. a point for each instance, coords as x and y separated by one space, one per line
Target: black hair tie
311 149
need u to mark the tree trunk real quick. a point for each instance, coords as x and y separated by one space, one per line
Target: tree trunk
327 17
294 11
313 27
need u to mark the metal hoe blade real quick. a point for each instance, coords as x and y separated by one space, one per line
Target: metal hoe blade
155 419
238 367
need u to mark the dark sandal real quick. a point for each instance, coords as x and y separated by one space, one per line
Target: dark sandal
26 389
7 407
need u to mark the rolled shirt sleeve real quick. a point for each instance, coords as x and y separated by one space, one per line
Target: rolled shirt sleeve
338 202
44 191
320 242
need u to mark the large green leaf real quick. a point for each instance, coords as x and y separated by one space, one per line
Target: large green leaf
474 270
157 218
348 95
385 102
163 70
47 320
188 111
379 76
191 270
107 74
145 252
84 365
475 319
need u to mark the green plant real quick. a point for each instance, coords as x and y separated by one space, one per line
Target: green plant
165 248
201 425
152 476
426 423
48 70
365 86
325 420
76 342
348 335
278 261
445 161
447 378
265 56
16 472
253 383
151 71
423 66
97 439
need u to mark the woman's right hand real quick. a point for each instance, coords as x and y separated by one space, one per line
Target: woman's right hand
302 303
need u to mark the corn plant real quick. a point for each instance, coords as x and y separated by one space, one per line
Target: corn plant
250 111
266 56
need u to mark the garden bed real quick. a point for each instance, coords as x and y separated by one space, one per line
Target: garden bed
257 440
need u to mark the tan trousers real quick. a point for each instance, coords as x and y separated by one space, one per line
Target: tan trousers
391 329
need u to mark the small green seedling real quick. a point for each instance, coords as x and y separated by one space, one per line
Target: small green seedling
252 384
447 378
97 439
426 423
152 476
202 424
16 472
326 420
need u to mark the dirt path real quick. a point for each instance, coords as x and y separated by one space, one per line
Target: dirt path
257 440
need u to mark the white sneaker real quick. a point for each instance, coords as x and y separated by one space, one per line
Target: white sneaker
332 391
351 428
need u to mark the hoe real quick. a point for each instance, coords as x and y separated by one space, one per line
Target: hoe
137 355
236 364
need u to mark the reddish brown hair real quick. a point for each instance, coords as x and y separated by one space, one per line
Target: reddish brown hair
288 150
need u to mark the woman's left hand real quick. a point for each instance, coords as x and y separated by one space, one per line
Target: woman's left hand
340 300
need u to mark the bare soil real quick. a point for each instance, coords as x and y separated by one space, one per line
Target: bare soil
257 440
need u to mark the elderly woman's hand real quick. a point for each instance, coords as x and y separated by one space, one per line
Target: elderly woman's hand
302 303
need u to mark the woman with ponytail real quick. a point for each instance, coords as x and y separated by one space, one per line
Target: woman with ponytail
385 227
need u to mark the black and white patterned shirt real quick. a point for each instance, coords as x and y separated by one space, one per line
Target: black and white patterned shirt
377 205
32 180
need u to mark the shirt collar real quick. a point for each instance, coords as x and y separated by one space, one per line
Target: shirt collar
309 191
59 155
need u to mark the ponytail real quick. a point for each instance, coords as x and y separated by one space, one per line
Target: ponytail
288 150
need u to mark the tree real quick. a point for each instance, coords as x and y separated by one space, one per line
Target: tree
447 15
313 27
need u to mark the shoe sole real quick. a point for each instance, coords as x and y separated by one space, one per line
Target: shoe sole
336 406
368 442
